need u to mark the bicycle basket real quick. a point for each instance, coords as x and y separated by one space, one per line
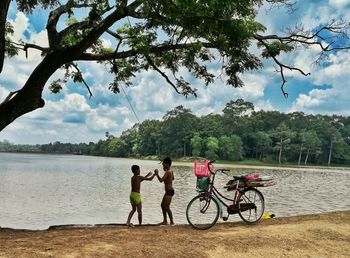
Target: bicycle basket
201 169
203 183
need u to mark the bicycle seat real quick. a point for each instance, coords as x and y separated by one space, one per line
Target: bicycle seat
238 177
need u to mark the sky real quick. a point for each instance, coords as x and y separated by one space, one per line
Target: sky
71 116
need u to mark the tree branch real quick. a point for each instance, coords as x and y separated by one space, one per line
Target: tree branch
82 79
161 73
8 98
282 66
26 46
73 27
152 50
53 19
282 3
4 5
121 12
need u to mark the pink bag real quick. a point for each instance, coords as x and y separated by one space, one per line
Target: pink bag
201 170
254 176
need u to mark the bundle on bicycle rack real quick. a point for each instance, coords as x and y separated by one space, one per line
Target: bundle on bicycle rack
253 180
260 181
203 175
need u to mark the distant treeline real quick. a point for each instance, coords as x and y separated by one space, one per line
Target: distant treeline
238 133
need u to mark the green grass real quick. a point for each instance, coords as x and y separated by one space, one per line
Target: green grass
248 162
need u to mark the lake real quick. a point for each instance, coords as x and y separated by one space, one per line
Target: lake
37 191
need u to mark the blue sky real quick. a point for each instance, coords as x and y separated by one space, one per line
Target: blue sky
72 116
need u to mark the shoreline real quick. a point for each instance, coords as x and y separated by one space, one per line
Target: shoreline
337 167
149 225
314 235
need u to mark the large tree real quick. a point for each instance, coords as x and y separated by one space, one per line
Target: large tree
162 35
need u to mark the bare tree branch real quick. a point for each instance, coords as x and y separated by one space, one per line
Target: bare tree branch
26 46
81 78
162 73
282 67
282 3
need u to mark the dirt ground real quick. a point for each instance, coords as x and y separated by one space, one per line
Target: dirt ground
322 235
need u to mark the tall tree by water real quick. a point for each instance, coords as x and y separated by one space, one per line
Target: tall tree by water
283 136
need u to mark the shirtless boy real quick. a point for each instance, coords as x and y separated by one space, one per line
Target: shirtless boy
167 178
135 197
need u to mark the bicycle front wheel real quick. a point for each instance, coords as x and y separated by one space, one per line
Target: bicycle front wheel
251 205
202 212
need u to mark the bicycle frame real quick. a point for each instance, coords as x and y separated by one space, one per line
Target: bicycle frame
213 191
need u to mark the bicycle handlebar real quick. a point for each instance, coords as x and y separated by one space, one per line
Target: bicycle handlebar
213 172
211 162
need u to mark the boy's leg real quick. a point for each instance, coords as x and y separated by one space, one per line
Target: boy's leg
131 214
139 212
163 205
167 201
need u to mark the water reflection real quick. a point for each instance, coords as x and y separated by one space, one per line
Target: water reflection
37 191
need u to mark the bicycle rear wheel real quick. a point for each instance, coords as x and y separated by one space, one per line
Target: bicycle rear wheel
251 205
202 212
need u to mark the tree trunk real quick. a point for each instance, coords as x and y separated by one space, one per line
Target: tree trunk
280 154
301 147
330 153
29 97
307 156
4 6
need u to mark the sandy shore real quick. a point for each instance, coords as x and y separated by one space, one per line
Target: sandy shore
322 235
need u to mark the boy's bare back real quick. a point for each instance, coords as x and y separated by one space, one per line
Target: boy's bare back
136 181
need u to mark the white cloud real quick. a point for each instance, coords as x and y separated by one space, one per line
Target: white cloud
74 103
3 93
339 3
152 96
97 122
263 105
106 43
20 25
18 68
330 100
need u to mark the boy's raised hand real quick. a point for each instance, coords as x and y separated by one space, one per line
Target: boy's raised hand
156 171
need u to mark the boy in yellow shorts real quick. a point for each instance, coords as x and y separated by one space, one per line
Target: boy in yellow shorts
135 197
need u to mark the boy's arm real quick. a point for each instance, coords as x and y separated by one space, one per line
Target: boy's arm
161 179
147 177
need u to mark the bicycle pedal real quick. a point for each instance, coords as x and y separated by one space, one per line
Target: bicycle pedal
225 218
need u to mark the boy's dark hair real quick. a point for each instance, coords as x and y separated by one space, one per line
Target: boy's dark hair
135 168
167 161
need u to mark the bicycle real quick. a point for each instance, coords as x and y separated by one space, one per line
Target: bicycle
204 209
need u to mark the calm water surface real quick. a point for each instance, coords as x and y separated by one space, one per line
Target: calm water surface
37 191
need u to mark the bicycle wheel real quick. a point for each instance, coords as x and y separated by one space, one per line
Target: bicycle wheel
251 205
202 212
